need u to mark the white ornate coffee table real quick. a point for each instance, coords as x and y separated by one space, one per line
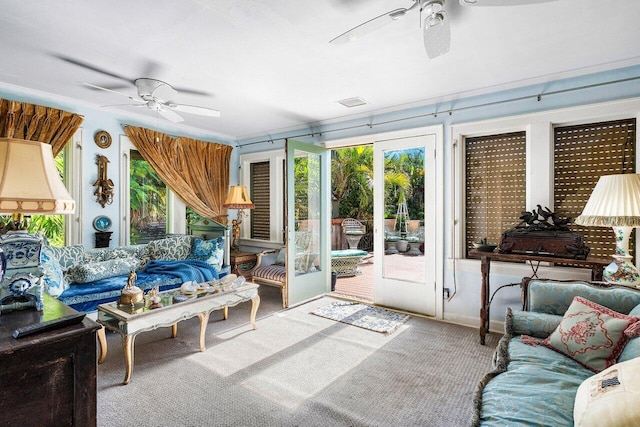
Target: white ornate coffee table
129 321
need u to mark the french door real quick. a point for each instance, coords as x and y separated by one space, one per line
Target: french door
307 219
405 243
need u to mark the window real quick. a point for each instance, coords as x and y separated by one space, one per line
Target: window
149 209
263 175
261 198
495 185
147 201
566 151
582 154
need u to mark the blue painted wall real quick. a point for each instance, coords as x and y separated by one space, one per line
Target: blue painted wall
583 90
96 119
623 83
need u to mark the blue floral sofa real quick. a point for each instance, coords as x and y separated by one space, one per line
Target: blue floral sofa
562 359
84 278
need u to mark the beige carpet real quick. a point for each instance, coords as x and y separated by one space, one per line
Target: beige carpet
297 369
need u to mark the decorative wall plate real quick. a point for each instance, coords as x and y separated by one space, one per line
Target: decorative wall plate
102 139
102 223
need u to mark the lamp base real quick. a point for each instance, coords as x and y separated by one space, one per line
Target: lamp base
622 272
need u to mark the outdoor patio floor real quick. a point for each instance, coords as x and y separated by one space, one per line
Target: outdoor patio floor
360 287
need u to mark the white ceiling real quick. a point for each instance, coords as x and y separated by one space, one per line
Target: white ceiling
267 65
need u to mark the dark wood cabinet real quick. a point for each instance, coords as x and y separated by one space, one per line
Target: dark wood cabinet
48 378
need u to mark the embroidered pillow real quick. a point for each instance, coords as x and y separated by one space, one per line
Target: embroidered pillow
92 271
591 334
211 251
54 282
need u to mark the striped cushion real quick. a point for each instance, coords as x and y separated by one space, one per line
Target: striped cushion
271 272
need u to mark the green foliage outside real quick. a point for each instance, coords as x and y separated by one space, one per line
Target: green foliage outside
148 201
352 181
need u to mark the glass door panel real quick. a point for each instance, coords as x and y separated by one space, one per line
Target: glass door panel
404 213
307 210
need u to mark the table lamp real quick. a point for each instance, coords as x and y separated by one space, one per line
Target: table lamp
615 202
29 184
238 199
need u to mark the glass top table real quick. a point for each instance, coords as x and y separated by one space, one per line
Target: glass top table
130 320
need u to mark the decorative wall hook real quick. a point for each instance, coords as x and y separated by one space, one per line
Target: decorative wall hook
104 186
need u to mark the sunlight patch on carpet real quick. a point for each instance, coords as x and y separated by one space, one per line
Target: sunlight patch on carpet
364 316
244 347
305 370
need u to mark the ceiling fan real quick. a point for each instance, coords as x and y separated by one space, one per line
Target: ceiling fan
158 96
435 27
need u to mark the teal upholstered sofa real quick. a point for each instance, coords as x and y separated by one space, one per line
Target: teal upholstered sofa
83 278
533 385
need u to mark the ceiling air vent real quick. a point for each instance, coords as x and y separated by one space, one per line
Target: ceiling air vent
352 102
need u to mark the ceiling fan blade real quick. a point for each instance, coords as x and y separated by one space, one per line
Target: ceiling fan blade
123 105
192 109
437 37
170 115
501 2
113 91
92 68
371 25
191 91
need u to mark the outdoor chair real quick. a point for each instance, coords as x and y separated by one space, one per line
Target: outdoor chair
353 230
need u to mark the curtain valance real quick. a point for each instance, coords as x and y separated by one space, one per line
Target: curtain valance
38 123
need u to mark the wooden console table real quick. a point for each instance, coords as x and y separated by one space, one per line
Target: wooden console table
596 264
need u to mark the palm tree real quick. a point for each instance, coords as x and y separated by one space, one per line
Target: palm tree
352 181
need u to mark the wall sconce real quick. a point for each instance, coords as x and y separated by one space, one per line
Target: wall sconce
238 199
104 186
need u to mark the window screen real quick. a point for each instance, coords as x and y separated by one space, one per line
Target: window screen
582 154
260 196
495 185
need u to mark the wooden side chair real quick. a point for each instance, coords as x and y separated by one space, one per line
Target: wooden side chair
276 274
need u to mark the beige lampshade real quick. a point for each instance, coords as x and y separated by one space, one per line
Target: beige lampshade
238 198
29 180
615 202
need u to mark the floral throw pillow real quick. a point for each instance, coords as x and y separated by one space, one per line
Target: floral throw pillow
211 251
592 335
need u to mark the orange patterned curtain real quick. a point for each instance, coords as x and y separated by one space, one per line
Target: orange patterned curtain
197 171
38 123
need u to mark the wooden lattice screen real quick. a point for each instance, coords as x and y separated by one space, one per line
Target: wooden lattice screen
495 185
261 198
582 155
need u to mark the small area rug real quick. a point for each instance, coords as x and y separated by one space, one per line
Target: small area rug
363 316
